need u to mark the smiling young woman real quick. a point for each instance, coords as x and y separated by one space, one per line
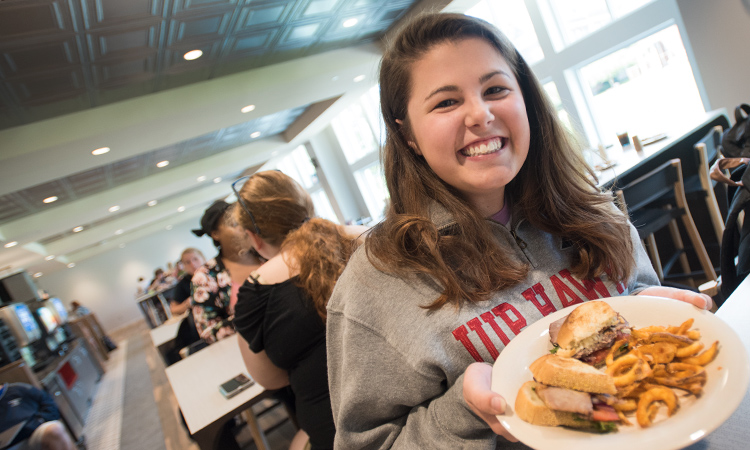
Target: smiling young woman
493 224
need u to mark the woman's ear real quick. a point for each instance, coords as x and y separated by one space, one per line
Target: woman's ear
412 144
255 241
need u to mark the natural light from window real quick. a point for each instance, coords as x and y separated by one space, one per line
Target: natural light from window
512 18
646 89
571 20
371 183
298 166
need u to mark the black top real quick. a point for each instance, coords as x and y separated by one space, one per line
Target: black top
280 319
182 289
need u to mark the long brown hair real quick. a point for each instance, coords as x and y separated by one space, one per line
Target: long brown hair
552 190
317 248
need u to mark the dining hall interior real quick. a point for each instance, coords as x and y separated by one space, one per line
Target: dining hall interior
122 122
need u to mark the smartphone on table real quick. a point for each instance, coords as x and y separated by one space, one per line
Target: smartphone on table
236 385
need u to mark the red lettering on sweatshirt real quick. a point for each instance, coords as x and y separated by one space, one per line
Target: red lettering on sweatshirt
592 289
515 326
545 306
476 325
489 318
563 292
462 335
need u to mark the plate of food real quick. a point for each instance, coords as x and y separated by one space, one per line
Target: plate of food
660 374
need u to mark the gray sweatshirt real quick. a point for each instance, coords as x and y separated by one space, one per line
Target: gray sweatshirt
396 370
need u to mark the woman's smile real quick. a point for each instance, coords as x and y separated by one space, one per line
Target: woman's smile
484 148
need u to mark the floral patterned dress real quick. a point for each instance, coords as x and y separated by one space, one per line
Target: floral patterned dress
211 292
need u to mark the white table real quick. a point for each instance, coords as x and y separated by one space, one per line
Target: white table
734 434
164 335
195 381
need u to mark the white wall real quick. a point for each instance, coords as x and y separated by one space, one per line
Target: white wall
107 283
719 32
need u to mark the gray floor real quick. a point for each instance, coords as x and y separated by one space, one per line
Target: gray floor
135 409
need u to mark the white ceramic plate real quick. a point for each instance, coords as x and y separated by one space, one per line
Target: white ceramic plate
728 377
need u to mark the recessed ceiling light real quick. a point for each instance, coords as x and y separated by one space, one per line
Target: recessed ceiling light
11 244
71 265
119 232
217 180
114 208
248 108
38 274
193 54
152 203
100 151
350 22
50 199
255 134
201 179
181 209
359 78
77 229
162 164
49 257
169 227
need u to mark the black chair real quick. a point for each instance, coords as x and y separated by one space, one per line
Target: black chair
656 200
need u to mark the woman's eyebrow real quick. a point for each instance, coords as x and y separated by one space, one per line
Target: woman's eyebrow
452 88
487 77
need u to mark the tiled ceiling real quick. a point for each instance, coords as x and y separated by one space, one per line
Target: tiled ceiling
78 73
58 57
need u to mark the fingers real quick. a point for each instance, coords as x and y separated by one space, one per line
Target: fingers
701 301
485 403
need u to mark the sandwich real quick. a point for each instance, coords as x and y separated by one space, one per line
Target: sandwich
588 332
567 392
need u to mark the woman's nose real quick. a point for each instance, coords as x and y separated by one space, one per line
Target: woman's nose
478 113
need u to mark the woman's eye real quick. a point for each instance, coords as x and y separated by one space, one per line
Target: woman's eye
445 104
494 90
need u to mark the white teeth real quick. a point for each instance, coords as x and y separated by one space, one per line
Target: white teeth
483 149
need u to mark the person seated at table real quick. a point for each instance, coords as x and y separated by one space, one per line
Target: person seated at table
492 225
214 285
191 260
281 309
21 402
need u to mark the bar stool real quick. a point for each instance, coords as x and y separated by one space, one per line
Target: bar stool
647 201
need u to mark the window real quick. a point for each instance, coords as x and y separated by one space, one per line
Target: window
572 20
371 183
512 17
359 128
297 165
360 132
628 70
554 96
645 89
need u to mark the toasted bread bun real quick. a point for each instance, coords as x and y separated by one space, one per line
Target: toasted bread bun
554 370
530 408
581 328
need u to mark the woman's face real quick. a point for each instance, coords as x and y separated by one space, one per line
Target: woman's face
192 262
468 119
